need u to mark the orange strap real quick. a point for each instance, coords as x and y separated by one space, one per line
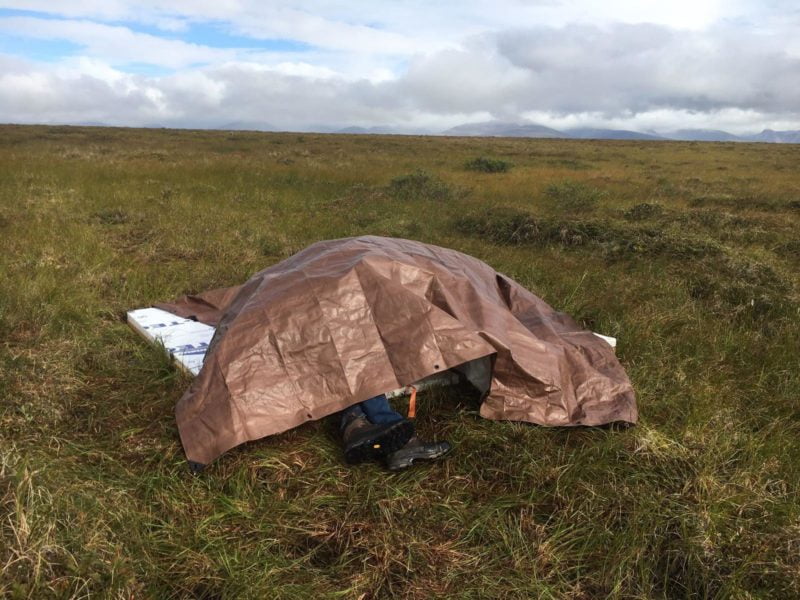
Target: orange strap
412 403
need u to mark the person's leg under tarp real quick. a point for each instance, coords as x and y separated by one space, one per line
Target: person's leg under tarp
373 430
377 412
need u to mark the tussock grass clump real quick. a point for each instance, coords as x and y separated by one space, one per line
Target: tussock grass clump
736 286
714 219
502 226
420 185
726 294
569 163
509 226
573 196
720 199
269 246
667 188
484 164
726 227
644 212
788 249
734 202
629 242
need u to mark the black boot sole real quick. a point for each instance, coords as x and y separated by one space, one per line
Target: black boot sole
406 460
383 443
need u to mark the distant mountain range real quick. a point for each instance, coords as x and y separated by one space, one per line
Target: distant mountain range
367 130
521 129
702 135
776 137
504 129
588 133
500 129
248 126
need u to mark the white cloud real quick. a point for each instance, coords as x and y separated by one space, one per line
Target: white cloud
90 67
615 70
419 22
119 45
619 63
342 29
268 22
732 120
101 10
304 69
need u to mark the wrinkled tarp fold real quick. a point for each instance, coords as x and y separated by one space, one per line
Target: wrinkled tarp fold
345 320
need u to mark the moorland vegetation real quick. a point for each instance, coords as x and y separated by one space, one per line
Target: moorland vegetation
687 252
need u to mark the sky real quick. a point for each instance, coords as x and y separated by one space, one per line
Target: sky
411 65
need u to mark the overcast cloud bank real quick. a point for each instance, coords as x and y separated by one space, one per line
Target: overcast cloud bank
728 66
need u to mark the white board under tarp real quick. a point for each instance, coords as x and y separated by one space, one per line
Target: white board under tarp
610 340
187 341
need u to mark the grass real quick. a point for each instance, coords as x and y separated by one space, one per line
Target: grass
687 252
485 164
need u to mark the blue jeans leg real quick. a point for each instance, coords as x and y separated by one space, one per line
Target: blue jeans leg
377 411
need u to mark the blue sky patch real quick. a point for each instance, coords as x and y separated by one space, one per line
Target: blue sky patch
38 50
145 69
13 12
216 36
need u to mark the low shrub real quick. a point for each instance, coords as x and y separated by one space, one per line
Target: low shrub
419 184
573 196
484 164
270 246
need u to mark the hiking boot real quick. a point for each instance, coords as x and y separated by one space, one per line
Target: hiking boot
365 441
416 449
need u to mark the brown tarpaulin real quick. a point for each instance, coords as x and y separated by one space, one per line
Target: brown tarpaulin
345 320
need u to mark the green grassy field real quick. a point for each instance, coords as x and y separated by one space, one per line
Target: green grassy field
689 253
